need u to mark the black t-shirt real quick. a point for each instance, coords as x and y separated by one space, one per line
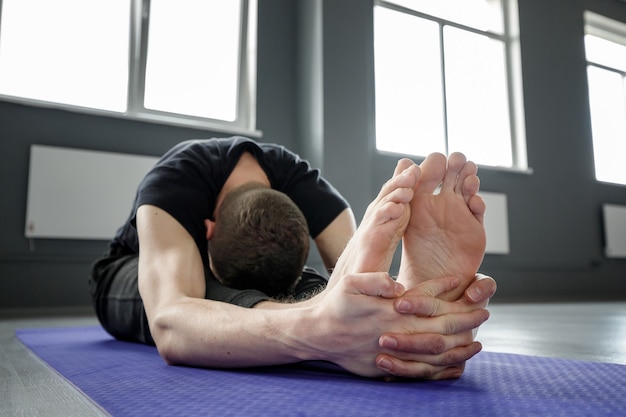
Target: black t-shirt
186 181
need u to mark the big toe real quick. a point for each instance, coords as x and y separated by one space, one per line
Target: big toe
433 170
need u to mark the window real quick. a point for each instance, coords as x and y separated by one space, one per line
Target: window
448 79
605 47
183 62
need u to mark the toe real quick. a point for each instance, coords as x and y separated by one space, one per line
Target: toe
456 163
469 170
478 207
433 170
469 187
403 183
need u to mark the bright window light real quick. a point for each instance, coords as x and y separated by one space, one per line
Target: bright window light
193 58
48 54
408 83
607 103
186 62
605 48
444 86
605 52
477 100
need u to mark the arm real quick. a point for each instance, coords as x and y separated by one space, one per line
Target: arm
333 239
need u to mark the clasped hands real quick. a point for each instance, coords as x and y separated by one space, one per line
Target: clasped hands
380 329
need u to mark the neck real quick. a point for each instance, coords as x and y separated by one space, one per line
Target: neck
246 171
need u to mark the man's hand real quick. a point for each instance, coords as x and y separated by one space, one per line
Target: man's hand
447 350
425 299
433 342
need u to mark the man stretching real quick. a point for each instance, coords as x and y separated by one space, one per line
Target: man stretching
354 322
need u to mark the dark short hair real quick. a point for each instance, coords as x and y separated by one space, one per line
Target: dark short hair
260 241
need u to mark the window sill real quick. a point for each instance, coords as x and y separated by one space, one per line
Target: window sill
165 119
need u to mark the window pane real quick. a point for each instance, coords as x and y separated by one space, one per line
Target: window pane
66 51
479 14
193 57
607 94
607 53
476 93
409 107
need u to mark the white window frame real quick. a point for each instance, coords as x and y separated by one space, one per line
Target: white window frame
511 41
610 30
245 120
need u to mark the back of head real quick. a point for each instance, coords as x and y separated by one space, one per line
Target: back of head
260 241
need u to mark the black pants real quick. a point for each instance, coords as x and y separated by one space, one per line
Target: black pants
115 295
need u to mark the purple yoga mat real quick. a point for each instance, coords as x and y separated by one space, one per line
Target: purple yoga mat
127 379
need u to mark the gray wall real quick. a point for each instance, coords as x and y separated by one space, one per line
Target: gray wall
555 218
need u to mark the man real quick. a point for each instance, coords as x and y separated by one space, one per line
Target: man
194 320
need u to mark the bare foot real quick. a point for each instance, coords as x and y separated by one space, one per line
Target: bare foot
445 235
372 247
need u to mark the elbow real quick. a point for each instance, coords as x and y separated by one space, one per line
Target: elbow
164 339
167 355
168 360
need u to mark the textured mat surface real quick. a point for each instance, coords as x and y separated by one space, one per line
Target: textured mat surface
128 379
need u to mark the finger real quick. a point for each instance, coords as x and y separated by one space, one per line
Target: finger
481 289
452 323
422 300
475 297
406 369
450 372
377 284
422 306
436 287
454 358
400 344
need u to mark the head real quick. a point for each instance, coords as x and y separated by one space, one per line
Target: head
260 240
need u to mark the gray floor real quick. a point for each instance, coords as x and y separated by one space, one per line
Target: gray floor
27 386
583 331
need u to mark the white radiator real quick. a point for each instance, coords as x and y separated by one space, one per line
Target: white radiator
79 194
496 223
614 230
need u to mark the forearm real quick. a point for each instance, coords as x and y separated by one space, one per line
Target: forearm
205 333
